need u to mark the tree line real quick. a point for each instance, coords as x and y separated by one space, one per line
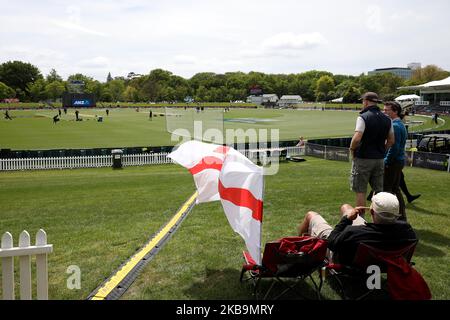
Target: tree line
25 82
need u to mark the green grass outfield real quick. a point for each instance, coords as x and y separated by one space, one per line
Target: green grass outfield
97 218
124 127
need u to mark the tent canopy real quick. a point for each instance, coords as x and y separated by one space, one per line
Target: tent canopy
444 84
408 97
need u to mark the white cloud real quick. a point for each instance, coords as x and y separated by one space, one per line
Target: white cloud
291 41
185 59
73 22
284 45
96 62
373 22
77 28
408 16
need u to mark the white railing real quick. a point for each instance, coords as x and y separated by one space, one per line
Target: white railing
101 161
145 158
55 163
295 151
24 251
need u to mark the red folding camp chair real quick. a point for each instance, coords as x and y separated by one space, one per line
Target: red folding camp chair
290 258
387 256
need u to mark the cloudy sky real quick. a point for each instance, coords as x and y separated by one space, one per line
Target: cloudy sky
185 37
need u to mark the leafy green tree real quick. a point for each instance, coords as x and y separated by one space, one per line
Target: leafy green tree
351 95
94 87
78 77
131 94
370 83
6 92
344 86
324 86
37 90
308 83
427 74
109 77
116 89
19 76
202 94
53 76
389 84
106 95
54 90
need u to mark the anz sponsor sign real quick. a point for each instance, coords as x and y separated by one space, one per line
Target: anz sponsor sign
81 103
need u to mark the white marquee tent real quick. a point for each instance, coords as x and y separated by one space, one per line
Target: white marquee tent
338 100
440 84
408 97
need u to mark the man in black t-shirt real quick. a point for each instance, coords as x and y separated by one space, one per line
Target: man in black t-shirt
7 116
344 239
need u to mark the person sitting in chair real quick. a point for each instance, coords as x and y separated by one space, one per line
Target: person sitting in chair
344 239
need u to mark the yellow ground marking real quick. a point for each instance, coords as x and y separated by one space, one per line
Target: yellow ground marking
114 281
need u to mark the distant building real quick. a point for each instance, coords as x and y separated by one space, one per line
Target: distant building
269 100
289 100
434 95
405 73
255 99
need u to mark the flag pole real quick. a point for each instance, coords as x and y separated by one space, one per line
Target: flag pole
262 215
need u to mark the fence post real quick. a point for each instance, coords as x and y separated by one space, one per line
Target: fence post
7 268
25 268
41 267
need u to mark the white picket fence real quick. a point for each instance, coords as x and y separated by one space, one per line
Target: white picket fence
81 162
24 251
100 161
145 158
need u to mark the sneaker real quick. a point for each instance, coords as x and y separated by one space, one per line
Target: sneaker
412 198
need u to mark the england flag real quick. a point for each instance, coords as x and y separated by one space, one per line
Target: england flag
222 173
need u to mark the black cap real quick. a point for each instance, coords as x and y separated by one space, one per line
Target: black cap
371 96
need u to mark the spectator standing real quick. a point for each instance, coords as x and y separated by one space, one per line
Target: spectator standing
373 136
394 161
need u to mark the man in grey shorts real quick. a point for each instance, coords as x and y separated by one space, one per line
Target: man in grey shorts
345 237
373 136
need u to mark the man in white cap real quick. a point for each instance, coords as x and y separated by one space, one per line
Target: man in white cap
343 240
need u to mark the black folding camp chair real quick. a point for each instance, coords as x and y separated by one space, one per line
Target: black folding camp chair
353 276
287 261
